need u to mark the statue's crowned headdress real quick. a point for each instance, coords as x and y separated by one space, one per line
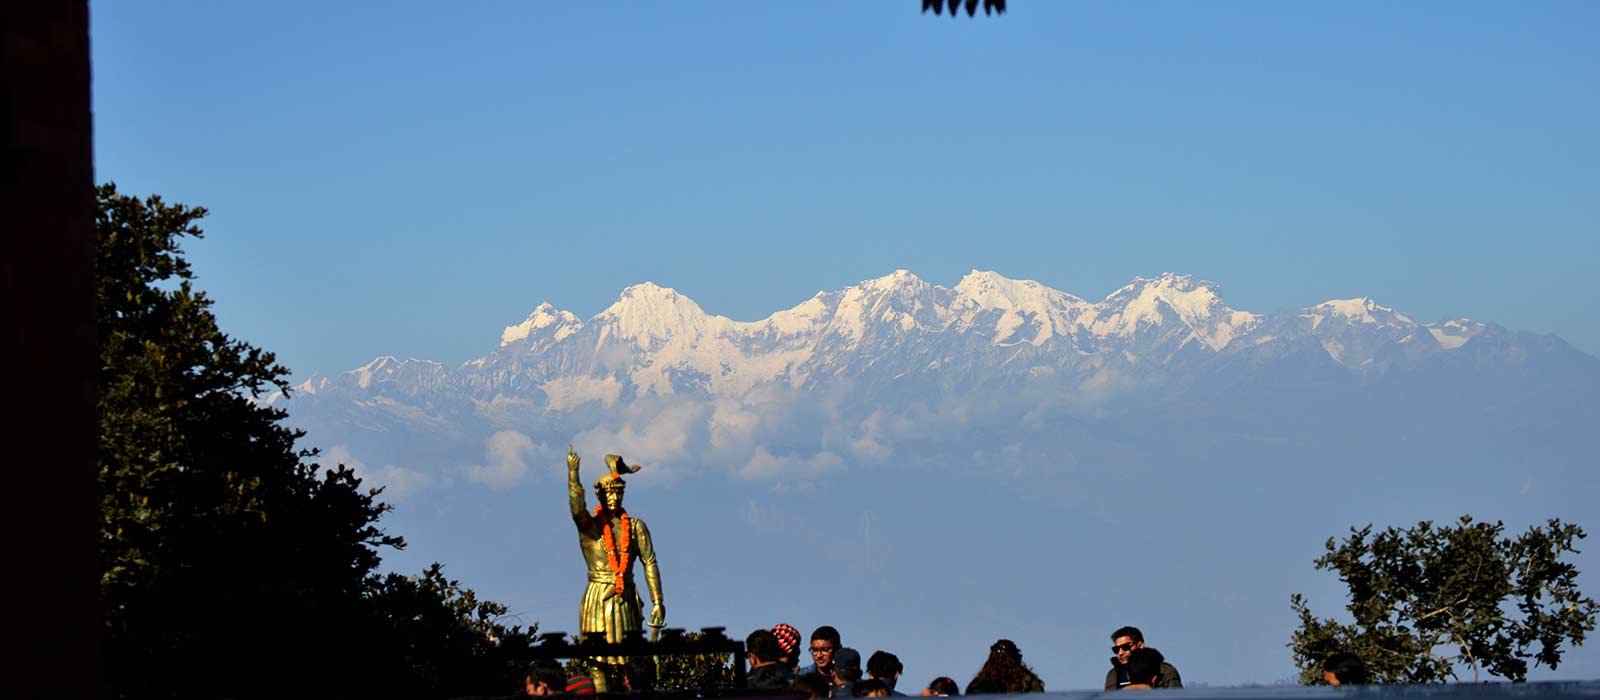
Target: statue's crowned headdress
613 480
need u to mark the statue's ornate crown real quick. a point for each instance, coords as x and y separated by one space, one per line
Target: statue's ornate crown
613 480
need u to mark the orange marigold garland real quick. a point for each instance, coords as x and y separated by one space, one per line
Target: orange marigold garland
619 562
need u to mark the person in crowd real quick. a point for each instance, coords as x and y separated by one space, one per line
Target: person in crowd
1123 643
1004 672
943 686
580 685
870 688
846 671
544 677
1345 668
824 644
766 671
789 641
884 666
813 684
1144 669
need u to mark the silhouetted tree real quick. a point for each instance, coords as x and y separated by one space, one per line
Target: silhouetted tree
231 564
434 638
1426 599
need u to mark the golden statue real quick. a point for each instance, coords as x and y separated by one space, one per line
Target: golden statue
611 541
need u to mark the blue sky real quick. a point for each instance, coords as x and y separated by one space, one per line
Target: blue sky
406 178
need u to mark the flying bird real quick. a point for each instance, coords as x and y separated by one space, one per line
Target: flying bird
939 6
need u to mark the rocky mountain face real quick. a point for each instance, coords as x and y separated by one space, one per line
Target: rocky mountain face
992 350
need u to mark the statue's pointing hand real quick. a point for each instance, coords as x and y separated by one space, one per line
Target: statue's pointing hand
572 459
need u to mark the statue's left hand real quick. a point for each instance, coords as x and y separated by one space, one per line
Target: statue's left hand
658 616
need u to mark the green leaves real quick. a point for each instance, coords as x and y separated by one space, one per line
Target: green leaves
1428 600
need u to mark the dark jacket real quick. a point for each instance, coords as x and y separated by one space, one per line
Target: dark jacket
770 677
1118 676
990 686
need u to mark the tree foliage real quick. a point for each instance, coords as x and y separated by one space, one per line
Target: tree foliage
694 672
441 640
230 563
1428 600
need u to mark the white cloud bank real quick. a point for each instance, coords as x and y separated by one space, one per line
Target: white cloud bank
398 483
506 456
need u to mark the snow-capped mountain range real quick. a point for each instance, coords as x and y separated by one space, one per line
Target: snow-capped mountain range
654 340
895 364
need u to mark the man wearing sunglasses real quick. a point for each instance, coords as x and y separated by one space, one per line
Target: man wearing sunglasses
824 644
1123 642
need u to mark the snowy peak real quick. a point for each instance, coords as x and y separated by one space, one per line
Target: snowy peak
651 299
898 302
386 368
990 290
379 365
803 319
1028 311
1191 299
647 313
1166 300
1455 333
899 289
1354 332
311 385
899 279
543 316
1362 310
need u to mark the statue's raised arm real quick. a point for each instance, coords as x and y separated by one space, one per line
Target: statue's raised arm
575 500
